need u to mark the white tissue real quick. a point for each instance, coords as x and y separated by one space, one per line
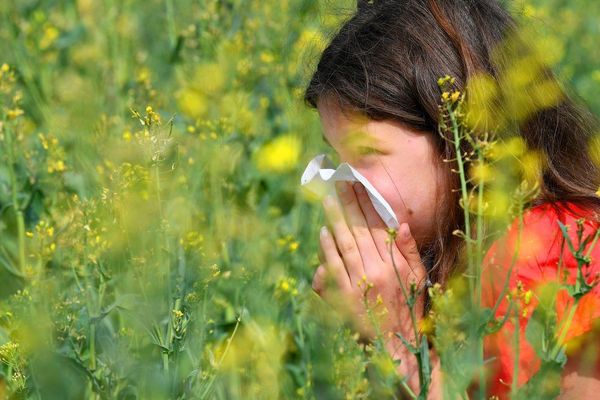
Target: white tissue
319 179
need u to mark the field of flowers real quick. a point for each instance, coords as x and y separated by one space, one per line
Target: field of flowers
154 242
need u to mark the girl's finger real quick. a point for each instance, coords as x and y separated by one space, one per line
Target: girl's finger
318 283
375 223
344 239
408 247
358 224
321 255
333 261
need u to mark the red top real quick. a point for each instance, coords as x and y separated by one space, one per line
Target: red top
536 262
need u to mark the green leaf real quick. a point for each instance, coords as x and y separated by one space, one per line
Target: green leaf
545 384
410 347
565 234
425 368
534 332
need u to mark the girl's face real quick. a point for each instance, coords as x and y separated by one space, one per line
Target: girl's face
402 164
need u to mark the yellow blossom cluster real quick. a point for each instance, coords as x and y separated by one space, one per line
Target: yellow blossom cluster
279 155
208 80
192 240
49 36
7 78
12 101
55 153
211 129
520 90
289 243
521 296
287 285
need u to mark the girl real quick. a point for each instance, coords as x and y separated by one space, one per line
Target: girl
377 95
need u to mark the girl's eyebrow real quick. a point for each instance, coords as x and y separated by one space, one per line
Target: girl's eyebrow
370 138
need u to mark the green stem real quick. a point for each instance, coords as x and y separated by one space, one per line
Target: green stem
593 244
171 22
19 216
515 377
208 386
413 321
165 360
465 195
512 262
93 346
479 261
34 91
379 336
161 239
479 239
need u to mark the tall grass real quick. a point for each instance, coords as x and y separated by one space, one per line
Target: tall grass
153 240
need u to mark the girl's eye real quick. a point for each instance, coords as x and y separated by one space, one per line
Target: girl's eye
363 151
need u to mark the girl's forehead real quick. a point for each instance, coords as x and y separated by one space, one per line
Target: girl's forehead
337 121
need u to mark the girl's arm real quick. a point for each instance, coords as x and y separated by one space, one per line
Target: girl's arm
575 387
576 384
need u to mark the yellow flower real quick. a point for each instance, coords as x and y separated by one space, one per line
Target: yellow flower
446 78
481 90
14 113
426 325
287 285
279 155
58 166
455 95
209 78
127 136
192 103
481 172
310 39
531 165
49 37
529 11
513 147
266 57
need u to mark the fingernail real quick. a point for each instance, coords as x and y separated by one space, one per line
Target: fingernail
324 232
341 187
406 232
358 187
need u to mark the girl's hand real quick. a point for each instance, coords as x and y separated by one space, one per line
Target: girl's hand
364 258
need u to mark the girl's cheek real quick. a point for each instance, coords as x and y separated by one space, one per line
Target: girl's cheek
390 191
399 197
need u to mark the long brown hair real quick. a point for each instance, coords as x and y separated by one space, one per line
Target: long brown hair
384 63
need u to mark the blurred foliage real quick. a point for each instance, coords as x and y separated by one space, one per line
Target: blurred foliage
153 240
